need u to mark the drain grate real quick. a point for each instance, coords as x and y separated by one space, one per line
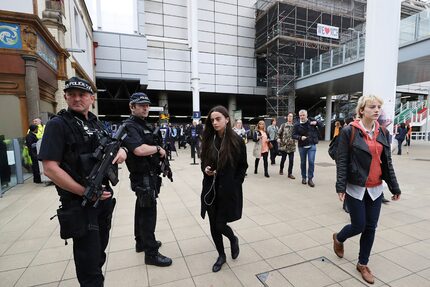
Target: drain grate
422 159
325 164
318 272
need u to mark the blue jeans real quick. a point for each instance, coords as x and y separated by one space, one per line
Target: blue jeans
364 219
310 154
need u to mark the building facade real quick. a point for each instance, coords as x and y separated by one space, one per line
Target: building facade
36 37
158 57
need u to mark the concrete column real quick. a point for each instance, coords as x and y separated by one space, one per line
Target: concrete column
232 106
327 118
32 87
292 102
380 65
195 59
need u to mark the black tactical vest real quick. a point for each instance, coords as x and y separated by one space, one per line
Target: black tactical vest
83 137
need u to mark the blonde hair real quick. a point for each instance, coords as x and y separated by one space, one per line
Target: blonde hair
264 125
363 100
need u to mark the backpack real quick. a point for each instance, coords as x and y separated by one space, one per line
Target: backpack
332 147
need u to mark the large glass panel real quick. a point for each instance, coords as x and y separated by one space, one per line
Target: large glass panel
337 56
316 65
7 165
326 60
26 161
407 29
362 46
306 68
424 25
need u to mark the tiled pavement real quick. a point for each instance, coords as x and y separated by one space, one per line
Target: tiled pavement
285 233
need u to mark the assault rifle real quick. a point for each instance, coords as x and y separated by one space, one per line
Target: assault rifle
164 162
104 155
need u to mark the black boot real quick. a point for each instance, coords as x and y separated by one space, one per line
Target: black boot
158 260
257 160
235 248
218 264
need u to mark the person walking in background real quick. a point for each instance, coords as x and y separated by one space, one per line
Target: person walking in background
408 135
287 145
307 133
194 138
400 137
261 147
40 127
224 165
31 141
360 168
337 128
272 133
239 130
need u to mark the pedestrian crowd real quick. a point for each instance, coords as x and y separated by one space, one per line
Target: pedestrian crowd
73 137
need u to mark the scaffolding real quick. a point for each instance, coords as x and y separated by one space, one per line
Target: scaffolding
286 34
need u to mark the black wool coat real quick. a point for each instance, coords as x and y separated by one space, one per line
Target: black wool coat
228 202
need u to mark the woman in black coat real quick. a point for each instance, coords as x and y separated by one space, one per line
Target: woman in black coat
224 164
363 162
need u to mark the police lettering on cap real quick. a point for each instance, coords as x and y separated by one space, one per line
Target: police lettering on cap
78 83
139 98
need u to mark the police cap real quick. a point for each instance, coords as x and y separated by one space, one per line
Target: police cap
78 83
139 98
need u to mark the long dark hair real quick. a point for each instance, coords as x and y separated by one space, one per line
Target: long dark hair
230 144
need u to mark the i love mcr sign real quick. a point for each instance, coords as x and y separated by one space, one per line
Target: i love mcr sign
328 31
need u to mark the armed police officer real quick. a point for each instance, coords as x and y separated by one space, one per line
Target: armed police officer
143 162
68 143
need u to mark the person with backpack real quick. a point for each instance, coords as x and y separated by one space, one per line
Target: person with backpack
363 161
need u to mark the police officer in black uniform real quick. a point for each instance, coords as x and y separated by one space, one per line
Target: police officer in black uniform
143 163
68 142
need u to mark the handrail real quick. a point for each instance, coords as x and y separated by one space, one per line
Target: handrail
412 29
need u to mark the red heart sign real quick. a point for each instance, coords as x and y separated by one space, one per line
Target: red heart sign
326 30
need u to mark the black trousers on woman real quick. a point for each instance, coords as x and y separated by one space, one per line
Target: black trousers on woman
265 162
218 229
290 161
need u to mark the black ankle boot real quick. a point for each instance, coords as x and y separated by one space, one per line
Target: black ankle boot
218 264
235 248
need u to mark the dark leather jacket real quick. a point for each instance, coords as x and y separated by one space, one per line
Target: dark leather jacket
308 130
353 162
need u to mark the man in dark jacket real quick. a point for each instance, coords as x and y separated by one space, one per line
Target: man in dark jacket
306 133
31 141
400 137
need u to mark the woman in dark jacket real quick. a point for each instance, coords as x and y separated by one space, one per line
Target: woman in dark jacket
362 163
224 165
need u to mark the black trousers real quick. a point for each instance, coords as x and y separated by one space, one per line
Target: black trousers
273 151
35 169
145 220
290 161
218 229
265 163
89 250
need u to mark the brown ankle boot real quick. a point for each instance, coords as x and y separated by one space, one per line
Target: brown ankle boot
337 246
366 273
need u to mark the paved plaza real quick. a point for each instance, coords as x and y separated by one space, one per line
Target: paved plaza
285 233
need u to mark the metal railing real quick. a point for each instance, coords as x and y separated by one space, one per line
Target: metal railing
412 29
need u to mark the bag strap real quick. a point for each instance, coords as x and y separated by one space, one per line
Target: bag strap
351 139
